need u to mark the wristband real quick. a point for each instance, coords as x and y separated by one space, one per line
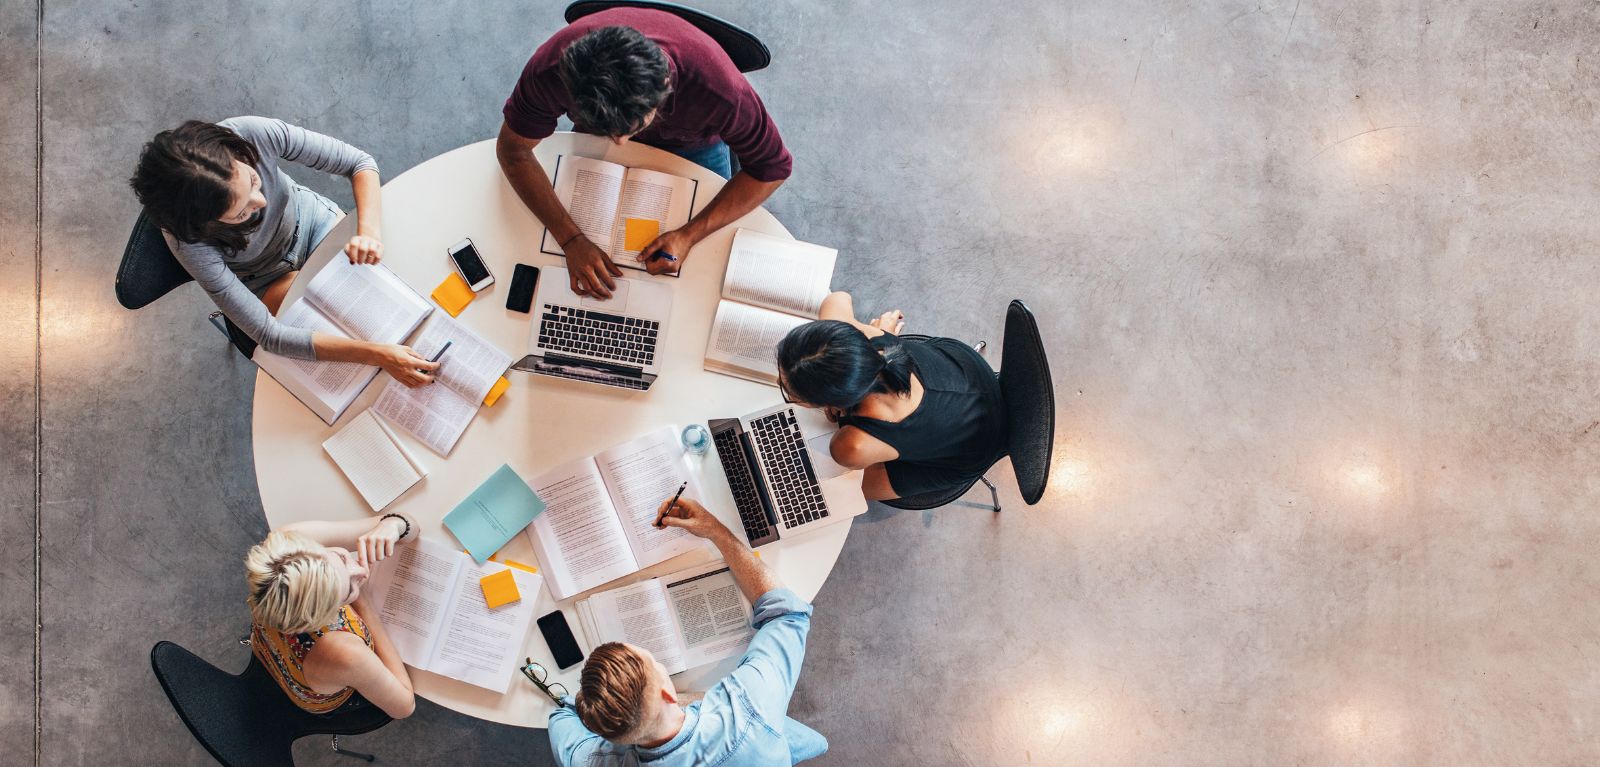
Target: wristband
570 239
403 521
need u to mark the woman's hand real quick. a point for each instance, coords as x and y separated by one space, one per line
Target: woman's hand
377 544
891 322
403 364
363 249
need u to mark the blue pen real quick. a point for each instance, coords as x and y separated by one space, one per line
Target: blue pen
663 254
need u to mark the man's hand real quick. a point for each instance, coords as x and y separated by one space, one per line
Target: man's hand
675 243
691 516
591 271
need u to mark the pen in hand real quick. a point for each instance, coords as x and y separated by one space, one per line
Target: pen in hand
440 354
672 506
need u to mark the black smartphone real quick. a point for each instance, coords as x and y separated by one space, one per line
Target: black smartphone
523 281
563 646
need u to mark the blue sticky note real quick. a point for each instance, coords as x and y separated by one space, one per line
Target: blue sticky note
497 510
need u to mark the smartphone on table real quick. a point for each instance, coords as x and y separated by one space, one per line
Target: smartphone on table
469 264
558 635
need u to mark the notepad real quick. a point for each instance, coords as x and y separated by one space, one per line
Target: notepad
374 460
497 510
453 294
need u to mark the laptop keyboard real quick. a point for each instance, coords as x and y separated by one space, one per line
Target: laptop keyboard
629 340
790 478
745 497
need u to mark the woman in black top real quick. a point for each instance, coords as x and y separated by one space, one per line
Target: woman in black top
918 415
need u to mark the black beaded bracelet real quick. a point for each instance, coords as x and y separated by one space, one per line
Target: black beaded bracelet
403 521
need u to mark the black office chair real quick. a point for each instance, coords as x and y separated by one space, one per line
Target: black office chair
150 271
247 720
1030 416
746 50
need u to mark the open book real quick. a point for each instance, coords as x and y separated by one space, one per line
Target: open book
772 286
686 619
429 599
439 412
367 302
603 196
599 519
375 462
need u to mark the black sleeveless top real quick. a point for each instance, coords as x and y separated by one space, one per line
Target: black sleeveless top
956 432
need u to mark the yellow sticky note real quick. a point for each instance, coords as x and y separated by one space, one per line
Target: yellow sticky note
639 232
499 589
518 565
495 391
453 294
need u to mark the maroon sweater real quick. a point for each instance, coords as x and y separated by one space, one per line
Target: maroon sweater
710 99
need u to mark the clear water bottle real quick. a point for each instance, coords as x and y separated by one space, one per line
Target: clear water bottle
696 439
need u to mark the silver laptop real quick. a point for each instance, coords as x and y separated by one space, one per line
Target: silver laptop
783 483
614 342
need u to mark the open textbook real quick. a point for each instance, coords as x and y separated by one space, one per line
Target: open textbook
772 286
619 209
430 601
439 412
686 619
375 462
367 302
599 519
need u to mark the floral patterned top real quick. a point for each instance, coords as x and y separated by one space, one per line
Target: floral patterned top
283 655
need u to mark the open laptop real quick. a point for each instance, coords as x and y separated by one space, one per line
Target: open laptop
782 484
614 342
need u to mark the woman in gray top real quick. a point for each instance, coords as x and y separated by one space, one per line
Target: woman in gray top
243 228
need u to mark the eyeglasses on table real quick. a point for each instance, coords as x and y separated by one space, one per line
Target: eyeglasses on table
538 674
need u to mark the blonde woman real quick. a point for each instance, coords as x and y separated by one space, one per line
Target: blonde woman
312 629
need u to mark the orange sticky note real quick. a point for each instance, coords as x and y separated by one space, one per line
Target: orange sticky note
453 294
495 391
639 232
499 589
518 565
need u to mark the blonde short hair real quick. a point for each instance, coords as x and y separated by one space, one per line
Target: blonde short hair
612 690
293 589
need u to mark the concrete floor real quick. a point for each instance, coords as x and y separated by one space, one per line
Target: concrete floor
1316 277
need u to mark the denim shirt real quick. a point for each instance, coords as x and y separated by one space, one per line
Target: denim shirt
740 721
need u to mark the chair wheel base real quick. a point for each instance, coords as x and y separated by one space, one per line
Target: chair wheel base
994 495
349 753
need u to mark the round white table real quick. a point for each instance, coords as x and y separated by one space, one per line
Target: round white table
540 422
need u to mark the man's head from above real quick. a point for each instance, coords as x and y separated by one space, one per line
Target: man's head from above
617 78
625 695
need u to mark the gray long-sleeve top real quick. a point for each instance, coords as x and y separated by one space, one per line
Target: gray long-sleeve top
218 271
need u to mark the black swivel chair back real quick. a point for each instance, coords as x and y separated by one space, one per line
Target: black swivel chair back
247 720
150 271
746 50
1030 416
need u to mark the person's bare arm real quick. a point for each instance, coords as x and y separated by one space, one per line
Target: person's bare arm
373 540
401 362
752 575
742 194
588 268
341 659
366 246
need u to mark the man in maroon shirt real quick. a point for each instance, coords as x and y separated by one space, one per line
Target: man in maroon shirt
634 73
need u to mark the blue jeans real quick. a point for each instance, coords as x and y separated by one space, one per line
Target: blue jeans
804 742
714 158
318 216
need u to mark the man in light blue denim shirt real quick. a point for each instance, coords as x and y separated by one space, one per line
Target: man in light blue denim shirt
628 698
